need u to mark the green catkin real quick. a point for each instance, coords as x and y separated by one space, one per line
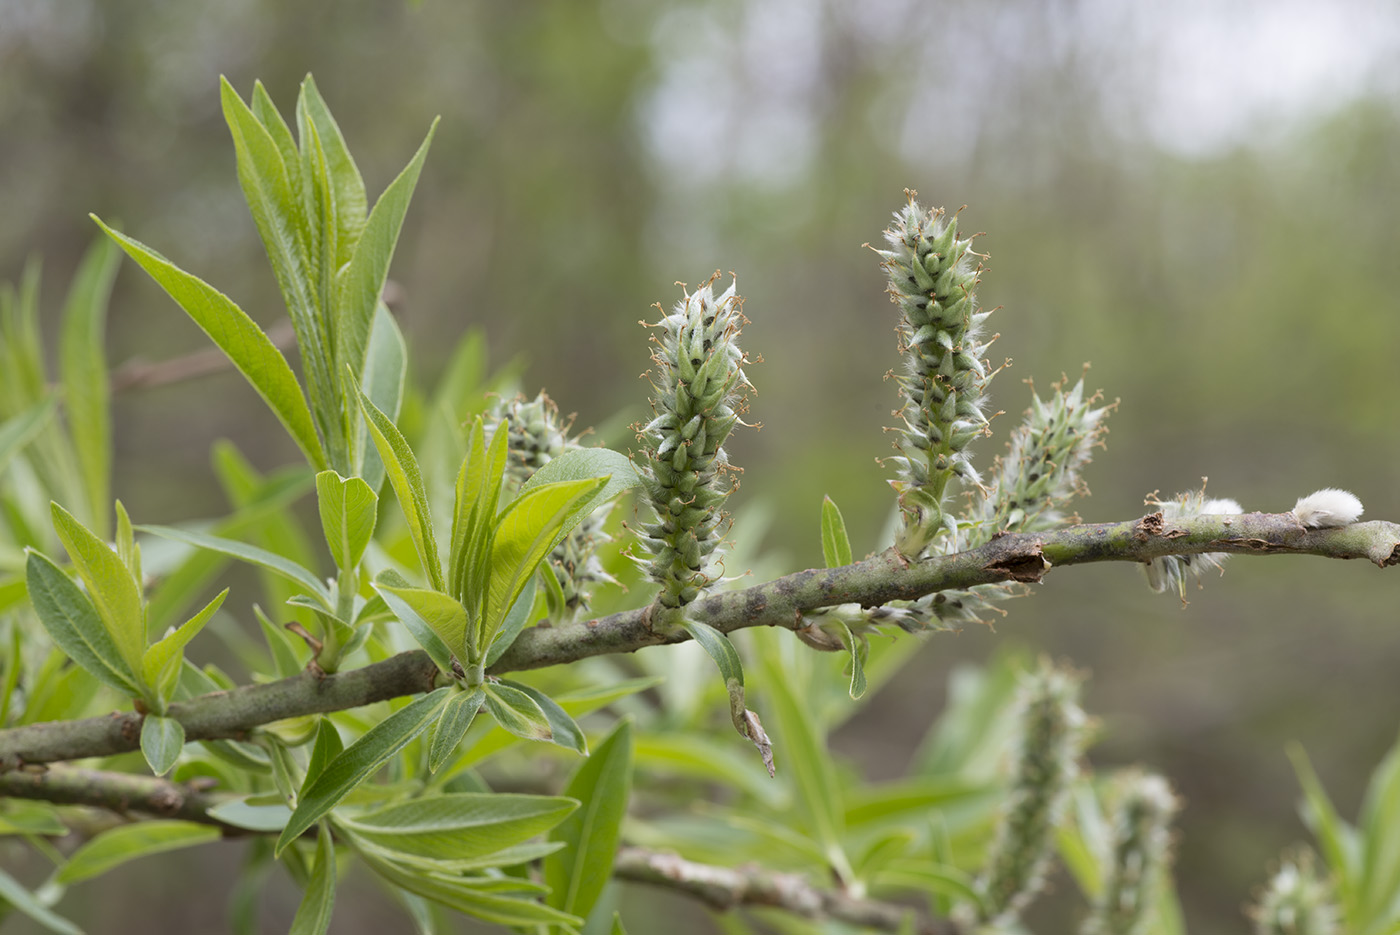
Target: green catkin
1140 853
537 436
698 396
1297 901
932 278
1052 736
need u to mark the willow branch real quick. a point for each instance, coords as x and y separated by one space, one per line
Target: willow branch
121 793
885 577
723 889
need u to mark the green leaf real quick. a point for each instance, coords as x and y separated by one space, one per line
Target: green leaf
20 430
577 874
617 928
17 896
407 481
74 624
359 761
585 463
347 189
467 895
457 716
726 657
326 748
361 281
386 362
812 771
239 337
128 842
460 826
348 514
386 582
527 531
515 621
517 712
858 649
243 814
314 914
474 511
270 188
83 364
281 644
1380 861
162 739
563 730
444 615
270 561
836 545
1336 839
160 665
115 594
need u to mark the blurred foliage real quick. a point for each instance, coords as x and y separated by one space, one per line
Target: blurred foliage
1240 300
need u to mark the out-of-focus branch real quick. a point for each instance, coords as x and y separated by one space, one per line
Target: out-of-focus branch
139 374
723 888
117 792
875 581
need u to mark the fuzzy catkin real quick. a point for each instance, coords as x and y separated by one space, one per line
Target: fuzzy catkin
698 397
1141 818
1297 901
537 436
932 278
1052 736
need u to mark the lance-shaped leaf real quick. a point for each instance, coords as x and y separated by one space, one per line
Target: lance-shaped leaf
162 739
324 750
74 624
252 554
348 516
444 615
581 463
20 430
562 728
83 363
239 337
12 892
470 895
359 761
603 783
402 468
457 716
314 914
410 618
460 826
836 545
527 531
360 282
386 362
474 511
516 620
731 669
517 712
160 665
128 842
346 188
113 591
270 188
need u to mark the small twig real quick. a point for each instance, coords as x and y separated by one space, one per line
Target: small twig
723 889
139 374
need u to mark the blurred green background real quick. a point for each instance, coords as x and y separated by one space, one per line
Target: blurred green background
1198 199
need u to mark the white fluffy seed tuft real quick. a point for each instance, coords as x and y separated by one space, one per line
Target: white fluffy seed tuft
1328 507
